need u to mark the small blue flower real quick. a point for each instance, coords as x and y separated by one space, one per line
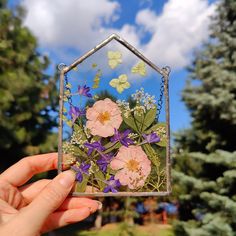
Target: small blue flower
112 185
84 91
122 137
104 161
82 169
94 146
151 138
75 112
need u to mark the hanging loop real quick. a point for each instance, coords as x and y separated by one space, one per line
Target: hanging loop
61 66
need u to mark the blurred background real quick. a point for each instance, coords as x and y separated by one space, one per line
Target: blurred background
196 38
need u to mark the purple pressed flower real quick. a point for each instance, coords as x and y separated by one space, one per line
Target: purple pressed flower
122 138
84 91
112 185
75 112
104 161
94 146
82 169
151 138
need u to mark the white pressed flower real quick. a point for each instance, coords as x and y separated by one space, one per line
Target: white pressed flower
68 159
138 95
139 110
161 131
122 104
76 138
133 135
91 171
87 132
95 97
127 113
67 147
149 102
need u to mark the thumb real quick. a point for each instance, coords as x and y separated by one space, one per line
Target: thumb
51 197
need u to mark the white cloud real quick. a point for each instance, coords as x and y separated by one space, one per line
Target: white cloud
74 23
181 27
80 24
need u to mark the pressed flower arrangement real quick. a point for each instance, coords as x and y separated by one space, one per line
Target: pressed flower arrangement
113 132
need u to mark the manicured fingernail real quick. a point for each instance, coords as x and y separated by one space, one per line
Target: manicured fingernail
99 205
67 178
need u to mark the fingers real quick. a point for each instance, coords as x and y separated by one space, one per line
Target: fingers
75 202
31 191
29 166
50 198
63 218
71 211
11 195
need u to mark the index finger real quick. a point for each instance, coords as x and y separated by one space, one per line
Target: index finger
23 170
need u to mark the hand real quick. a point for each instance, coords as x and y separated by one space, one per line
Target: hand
42 206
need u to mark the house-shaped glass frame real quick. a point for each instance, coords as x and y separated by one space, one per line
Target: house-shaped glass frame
163 72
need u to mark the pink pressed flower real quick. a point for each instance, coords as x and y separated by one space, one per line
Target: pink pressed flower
103 118
133 166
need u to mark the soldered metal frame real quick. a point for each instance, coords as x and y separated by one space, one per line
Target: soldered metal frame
164 72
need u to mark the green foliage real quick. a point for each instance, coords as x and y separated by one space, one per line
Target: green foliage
27 94
205 176
212 103
122 229
149 118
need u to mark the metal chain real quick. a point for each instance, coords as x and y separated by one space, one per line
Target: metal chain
60 67
67 88
160 100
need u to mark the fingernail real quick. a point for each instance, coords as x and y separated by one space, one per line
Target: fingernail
67 178
99 205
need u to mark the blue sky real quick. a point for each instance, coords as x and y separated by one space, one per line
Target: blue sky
167 32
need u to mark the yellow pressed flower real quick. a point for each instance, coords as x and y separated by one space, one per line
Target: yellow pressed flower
140 68
121 83
114 58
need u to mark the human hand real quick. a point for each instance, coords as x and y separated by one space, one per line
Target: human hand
41 206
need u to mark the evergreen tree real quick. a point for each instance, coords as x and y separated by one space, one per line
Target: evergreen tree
205 158
28 96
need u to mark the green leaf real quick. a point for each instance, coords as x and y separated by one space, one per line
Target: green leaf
162 143
111 171
149 118
100 178
81 187
111 146
80 130
79 152
130 122
155 127
96 138
139 121
152 154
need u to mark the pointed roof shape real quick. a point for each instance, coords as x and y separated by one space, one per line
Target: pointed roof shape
164 71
